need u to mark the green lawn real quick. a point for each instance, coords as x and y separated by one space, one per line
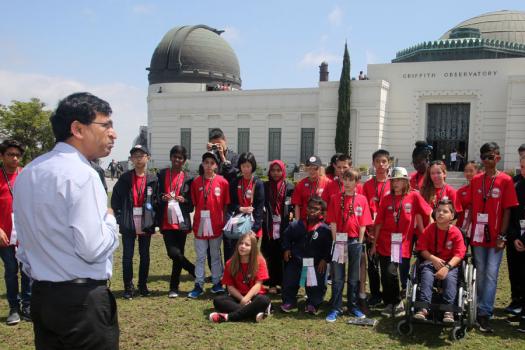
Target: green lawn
157 322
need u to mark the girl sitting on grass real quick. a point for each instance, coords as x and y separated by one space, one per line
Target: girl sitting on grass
244 275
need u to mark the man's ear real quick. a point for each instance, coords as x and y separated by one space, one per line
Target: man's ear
77 129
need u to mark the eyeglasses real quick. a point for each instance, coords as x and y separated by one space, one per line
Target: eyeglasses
107 125
487 157
313 209
12 155
138 156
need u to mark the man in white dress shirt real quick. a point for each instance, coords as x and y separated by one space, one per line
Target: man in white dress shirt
66 232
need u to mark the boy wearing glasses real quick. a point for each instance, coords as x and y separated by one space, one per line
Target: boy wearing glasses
492 195
306 245
134 203
11 152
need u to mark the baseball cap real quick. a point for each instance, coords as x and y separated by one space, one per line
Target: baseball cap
139 148
314 160
210 155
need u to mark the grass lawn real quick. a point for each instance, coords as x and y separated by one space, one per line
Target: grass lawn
157 322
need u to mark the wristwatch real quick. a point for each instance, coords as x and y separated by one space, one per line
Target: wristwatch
502 237
449 267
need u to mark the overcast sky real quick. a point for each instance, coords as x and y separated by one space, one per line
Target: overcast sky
51 48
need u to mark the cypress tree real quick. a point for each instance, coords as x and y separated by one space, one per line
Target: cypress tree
342 133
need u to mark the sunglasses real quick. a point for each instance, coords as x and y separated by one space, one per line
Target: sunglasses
487 157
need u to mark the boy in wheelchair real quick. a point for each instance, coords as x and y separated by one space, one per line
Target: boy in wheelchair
441 248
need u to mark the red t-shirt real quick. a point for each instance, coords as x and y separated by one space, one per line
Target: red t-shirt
336 187
416 181
217 193
463 194
445 192
177 181
502 196
247 197
6 202
412 204
453 246
138 187
352 221
237 281
306 189
374 191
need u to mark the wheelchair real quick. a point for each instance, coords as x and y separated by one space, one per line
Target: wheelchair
464 308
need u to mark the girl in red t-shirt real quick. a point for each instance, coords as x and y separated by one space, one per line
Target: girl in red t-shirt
244 275
471 169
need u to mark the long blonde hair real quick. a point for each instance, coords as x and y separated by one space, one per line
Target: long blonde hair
253 263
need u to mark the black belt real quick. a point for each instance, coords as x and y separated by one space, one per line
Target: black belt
75 282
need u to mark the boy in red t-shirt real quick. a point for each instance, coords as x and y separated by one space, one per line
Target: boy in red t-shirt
374 190
349 215
492 195
11 152
210 193
343 163
244 275
314 185
442 248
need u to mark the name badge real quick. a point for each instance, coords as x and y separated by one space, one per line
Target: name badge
522 226
308 262
137 211
341 237
13 239
205 214
397 237
483 218
288 201
276 219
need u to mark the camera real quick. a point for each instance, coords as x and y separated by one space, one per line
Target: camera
215 147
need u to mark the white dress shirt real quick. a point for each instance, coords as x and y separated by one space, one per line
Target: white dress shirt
60 210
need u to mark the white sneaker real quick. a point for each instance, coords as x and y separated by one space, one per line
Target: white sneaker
260 316
399 311
173 294
387 311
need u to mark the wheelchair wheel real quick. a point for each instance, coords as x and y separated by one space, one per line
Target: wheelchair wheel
458 333
404 327
472 298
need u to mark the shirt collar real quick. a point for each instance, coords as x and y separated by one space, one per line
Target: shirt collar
63 147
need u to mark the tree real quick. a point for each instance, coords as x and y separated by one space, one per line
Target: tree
28 123
342 133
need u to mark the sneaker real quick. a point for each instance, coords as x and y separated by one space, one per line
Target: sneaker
387 310
272 290
374 300
399 310
25 313
128 294
268 310
421 315
217 317
217 289
287 307
513 319
13 318
196 292
312 310
144 291
484 325
521 327
448 317
514 308
173 293
357 313
332 316
363 306
260 316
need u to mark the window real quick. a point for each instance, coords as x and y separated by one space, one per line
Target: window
185 140
243 140
307 143
274 143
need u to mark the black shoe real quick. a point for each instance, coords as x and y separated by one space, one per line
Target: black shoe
25 313
128 293
144 291
514 307
13 317
484 325
521 327
513 319
374 300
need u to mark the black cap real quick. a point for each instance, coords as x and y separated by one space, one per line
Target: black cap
210 155
139 148
314 160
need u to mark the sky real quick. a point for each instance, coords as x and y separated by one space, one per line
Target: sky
49 49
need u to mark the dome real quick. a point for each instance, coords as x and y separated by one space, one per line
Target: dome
502 25
194 54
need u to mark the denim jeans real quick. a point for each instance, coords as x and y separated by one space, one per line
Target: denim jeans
352 278
201 248
487 261
11 279
449 284
128 245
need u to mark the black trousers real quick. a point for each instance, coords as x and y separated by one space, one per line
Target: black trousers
175 241
390 279
271 250
128 250
515 264
236 312
74 316
373 273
